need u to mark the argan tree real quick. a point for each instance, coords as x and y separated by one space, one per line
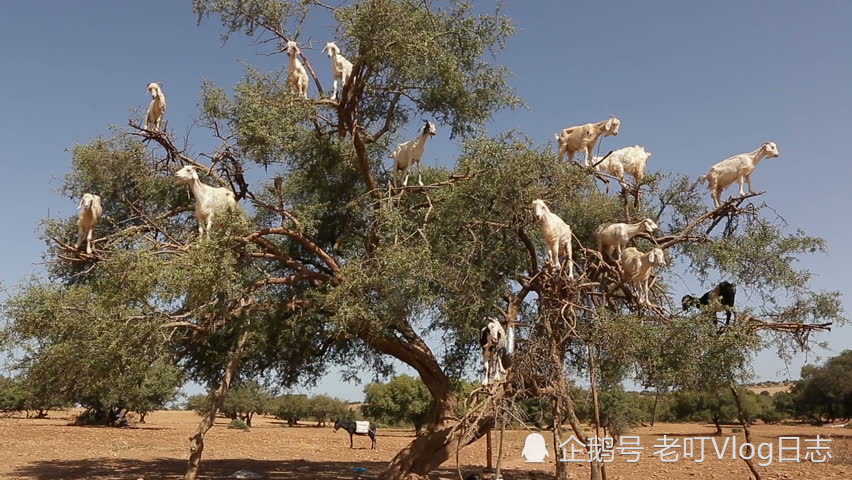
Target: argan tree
325 263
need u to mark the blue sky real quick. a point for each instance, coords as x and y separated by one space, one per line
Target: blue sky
694 82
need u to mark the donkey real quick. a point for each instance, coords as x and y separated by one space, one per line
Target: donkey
357 428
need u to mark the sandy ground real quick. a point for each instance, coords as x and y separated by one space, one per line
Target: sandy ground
51 449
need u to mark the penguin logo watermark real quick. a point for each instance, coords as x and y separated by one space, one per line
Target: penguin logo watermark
534 449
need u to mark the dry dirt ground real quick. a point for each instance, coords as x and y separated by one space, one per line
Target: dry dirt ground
51 449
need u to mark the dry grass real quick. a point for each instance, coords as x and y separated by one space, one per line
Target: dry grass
49 449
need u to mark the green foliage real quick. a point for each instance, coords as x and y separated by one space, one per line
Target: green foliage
825 393
404 400
238 424
325 409
292 408
74 349
242 402
321 408
324 265
621 411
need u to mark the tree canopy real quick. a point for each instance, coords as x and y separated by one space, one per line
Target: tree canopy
325 265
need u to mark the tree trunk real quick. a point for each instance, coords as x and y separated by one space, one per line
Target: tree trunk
561 467
500 449
433 447
746 430
654 410
196 442
142 417
597 467
718 425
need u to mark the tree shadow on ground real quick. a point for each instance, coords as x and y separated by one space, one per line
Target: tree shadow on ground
172 469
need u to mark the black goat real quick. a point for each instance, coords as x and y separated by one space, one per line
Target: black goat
350 427
725 293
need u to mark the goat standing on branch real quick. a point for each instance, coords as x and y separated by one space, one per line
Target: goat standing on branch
411 152
630 160
722 294
637 269
583 138
208 200
341 68
557 235
613 237
492 339
296 73
90 212
739 168
157 107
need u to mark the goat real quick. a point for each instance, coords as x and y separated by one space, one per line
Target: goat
636 267
583 138
341 68
739 168
724 293
353 427
630 160
157 107
492 340
411 152
557 234
90 213
614 236
296 73
208 200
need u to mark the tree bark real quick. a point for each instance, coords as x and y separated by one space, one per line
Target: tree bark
654 410
196 442
429 450
561 467
597 467
746 430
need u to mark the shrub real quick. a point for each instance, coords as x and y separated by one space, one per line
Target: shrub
238 424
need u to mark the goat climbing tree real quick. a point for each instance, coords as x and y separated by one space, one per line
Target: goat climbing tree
327 266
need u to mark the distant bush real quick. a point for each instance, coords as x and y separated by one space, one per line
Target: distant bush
238 424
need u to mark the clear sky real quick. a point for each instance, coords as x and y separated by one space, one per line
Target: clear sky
694 82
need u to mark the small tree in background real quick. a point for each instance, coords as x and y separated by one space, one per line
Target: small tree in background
404 400
324 408
292 407
824 393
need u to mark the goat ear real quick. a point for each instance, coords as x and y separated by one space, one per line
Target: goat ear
97 201
608 124
81 204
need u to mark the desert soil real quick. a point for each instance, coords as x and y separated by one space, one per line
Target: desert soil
50 449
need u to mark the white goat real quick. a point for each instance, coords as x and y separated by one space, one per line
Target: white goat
341 68
582 138
90 213
411 152
492 339
739 168
557 235
157 107
613 237
630 160
208 200
637 266
296 72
